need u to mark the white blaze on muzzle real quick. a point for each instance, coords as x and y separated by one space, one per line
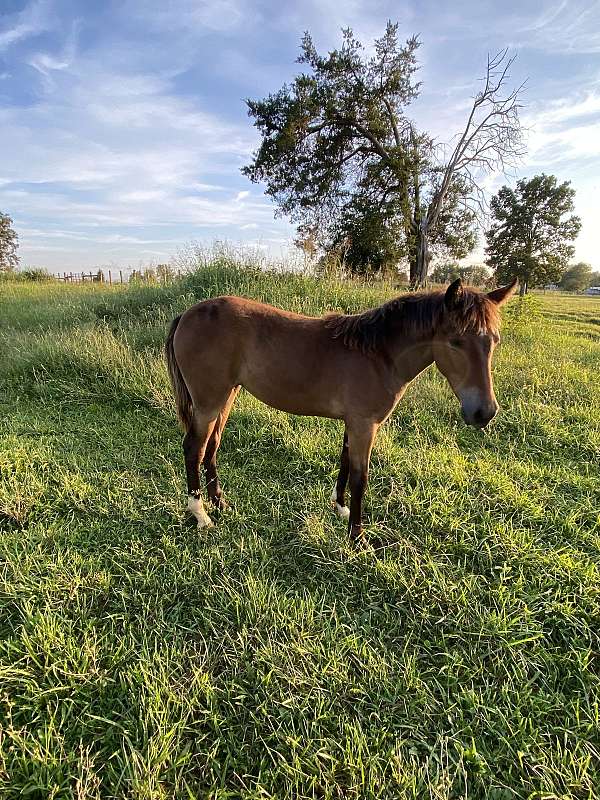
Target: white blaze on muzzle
477 409
471 399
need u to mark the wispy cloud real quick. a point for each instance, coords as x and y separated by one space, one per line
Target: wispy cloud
190 16
32 20
569 26
47 63
565 130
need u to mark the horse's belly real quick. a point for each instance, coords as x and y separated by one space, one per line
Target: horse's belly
305 400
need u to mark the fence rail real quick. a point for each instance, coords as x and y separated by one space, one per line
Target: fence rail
110 277
92 277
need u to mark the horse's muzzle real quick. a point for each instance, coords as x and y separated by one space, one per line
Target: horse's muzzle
480 416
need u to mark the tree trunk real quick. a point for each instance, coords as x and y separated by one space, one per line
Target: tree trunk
412 268
419 262
523 288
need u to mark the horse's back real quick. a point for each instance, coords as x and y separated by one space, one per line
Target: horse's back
229 319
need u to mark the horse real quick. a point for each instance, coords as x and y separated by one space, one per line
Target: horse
351 367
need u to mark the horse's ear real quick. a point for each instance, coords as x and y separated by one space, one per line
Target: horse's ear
504 293
454 295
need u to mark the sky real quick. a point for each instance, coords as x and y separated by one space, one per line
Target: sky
123 125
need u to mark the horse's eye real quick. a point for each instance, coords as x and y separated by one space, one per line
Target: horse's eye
456 342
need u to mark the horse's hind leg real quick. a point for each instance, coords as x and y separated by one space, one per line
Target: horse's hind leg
339 492
194 447
213 487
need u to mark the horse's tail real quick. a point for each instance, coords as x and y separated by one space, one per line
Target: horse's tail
183 400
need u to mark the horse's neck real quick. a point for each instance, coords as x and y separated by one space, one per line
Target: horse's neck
409 357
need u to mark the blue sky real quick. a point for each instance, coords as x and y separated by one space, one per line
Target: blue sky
123 126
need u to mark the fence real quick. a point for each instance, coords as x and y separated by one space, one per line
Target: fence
110 277
91 277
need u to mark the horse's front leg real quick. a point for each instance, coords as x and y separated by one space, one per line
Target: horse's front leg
360 443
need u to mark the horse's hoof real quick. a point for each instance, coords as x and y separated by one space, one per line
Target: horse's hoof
360 541
341 511
191 521
196 507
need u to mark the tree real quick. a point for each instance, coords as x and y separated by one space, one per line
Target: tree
474 274
576 277
446 272
530 235
9 243
338 139
371 239
594 279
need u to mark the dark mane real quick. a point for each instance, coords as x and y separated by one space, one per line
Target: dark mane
419 314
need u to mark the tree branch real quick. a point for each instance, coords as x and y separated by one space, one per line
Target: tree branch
379 148
393 121
487 143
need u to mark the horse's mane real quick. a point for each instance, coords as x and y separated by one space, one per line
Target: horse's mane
417 314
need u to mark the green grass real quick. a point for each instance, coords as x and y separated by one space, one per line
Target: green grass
266 658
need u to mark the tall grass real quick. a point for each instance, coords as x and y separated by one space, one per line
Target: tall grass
266 658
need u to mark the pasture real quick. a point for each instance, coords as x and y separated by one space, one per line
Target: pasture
265 658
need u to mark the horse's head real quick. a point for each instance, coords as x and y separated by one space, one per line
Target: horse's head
464 344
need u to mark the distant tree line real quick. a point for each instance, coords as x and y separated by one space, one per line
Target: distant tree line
579 277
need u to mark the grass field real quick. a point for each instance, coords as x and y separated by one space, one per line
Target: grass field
266 658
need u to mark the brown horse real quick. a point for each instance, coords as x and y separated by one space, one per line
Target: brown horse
353 367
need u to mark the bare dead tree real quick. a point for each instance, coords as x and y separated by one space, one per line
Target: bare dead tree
491 141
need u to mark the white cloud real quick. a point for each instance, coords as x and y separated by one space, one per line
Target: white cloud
32 20
569 109
142 196
46 63
105 150
190 16
569 27
566 129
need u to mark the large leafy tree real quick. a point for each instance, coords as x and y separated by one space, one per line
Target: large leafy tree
9 243
532 231
370 233
368 239
576 277
594 279
338 140
474 274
